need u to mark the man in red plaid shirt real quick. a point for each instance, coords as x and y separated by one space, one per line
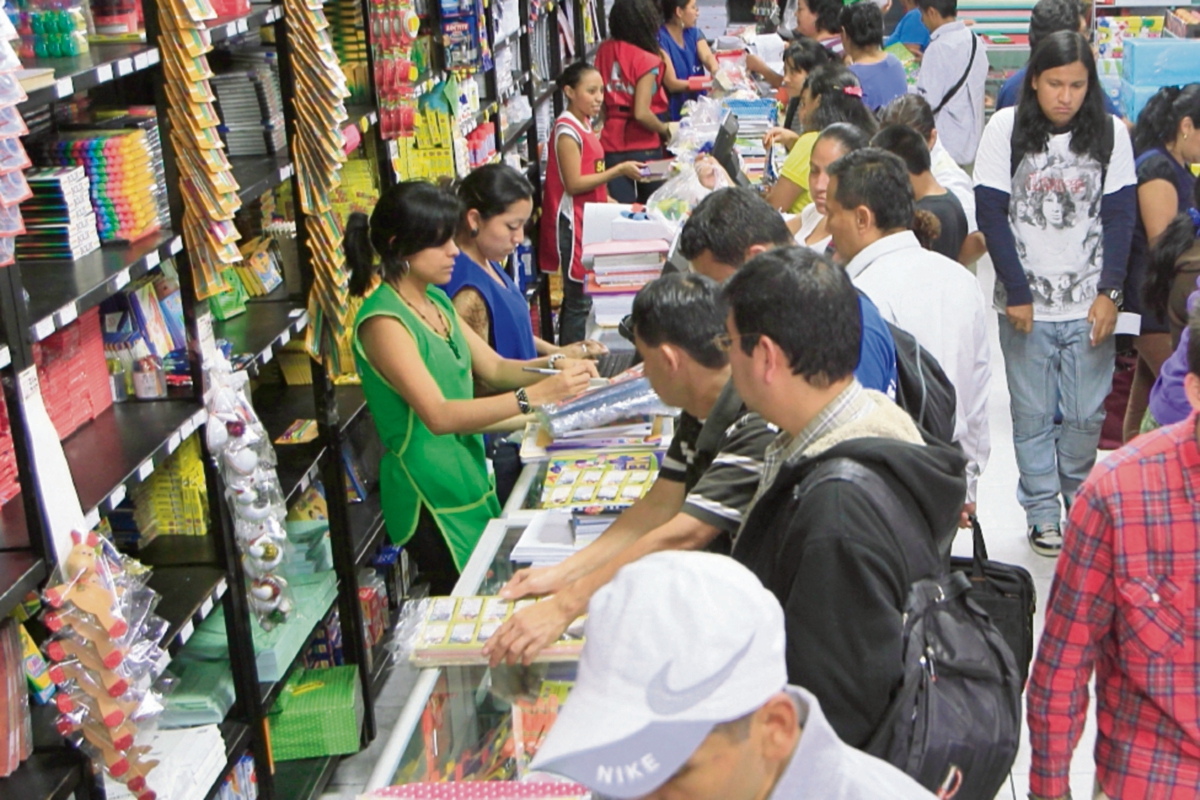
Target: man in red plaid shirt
1124 602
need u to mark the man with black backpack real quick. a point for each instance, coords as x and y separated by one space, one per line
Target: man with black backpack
952 78
849 529
1055 192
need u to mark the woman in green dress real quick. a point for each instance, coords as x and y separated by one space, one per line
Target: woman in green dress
417 362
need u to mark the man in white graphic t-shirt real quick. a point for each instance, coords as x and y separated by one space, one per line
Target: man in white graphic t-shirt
1055 197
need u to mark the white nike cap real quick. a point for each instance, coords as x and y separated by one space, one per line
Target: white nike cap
677 643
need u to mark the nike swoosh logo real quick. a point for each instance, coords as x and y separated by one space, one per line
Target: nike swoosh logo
665 701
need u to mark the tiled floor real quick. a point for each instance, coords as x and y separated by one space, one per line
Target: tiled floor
1003 523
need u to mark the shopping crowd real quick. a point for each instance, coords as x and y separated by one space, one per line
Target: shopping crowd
766 666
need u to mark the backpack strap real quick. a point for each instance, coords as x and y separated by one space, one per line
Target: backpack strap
915 541
948 96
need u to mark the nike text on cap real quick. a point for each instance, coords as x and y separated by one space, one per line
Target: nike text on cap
677 643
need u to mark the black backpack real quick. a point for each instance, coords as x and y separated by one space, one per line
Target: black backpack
954 721
922 388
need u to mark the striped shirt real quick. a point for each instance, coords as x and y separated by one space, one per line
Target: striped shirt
719 460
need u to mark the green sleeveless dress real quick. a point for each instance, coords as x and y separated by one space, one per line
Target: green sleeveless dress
446 474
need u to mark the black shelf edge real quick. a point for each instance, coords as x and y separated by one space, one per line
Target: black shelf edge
366 527
187 596
270 689
20 573
304 779
257 175
59 291
100 64
224 28
545 94
237 742
123 445
50 775
510 140
267 323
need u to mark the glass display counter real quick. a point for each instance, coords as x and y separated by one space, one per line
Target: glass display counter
462 722
523 501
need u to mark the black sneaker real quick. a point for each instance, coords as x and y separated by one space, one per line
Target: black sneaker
1046 540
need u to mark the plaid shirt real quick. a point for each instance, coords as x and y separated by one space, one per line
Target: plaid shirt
1124 602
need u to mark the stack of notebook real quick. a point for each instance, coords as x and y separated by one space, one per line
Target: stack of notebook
251 106
617 270
59 220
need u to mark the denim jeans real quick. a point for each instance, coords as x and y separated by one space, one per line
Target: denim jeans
1055 368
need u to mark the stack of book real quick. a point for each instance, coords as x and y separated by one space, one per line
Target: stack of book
59 220
618 269
251 106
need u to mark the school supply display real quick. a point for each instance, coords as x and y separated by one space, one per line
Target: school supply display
73 374
441 631
13 159
550 538
597 482
16 730
60 222
318 713
251 105
190 761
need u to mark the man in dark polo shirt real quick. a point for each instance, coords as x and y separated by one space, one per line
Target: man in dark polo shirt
707 480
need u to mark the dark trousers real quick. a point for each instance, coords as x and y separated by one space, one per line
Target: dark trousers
624 190
435 563
576 306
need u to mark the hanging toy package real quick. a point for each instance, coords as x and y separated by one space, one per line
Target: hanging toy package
105 657
246 458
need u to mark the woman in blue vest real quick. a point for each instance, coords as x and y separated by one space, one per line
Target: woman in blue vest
685 53
497 202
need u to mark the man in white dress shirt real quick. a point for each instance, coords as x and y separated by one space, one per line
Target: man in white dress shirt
952 77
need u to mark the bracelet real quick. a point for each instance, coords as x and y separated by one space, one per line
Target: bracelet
554 359
523 401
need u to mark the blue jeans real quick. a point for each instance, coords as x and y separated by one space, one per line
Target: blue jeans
1054 368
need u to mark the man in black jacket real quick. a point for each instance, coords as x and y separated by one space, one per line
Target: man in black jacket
827 552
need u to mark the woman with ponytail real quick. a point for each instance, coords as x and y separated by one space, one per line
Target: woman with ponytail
1173 292
1167 139
416 360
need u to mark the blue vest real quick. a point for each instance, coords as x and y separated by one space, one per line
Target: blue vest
511 329
686 60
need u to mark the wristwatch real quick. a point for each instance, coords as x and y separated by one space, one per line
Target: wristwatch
1116 295
523 401
554 359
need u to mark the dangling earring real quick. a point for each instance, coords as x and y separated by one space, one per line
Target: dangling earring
474 232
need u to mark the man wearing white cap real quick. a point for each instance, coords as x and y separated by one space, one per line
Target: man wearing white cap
682 693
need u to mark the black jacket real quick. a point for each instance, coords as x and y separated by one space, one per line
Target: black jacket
839 574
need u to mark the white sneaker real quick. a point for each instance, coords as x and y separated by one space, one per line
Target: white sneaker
1046 540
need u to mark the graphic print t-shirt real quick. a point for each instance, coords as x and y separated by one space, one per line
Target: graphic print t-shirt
1054 213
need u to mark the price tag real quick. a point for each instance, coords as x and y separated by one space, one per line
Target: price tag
242 26
266 355
104 73
141 61
304 482
302 322
153 57
219 592
43 329
29 383
174 442
114 499
204 332
199 418
152 259
176 245
121 280
64 87
124 66
186 632
145 469
5 356
188 429
274 14
206 607
162 663
284 338
295 312
67 314
231 29
92 519
285 172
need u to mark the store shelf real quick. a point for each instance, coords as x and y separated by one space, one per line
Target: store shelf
123 445
382 659
305 779
271 689
237 742
59 291
366 527
187 596
543 93
266 324
512 136
100 64
224 28
515 36
179 551
20 573
257 175
51 775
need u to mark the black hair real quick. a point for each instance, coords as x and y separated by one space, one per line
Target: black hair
1175 240
491 189
850 137
1158 123
912 110
573 74
830 84
1193 353
862 24
1051 16
408 218
827 12
729 222
805 304
684 309
1031 128
804 54
669 8
879 180
907 143
947 8
636 22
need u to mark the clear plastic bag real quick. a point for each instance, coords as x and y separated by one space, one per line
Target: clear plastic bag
622 399
674 200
